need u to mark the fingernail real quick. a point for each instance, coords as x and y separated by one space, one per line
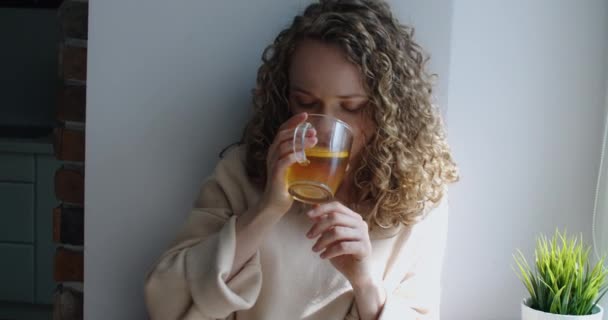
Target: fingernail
309 234
309 213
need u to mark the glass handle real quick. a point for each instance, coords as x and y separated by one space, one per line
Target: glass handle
299 137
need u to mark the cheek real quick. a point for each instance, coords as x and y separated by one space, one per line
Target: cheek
364 131
292 108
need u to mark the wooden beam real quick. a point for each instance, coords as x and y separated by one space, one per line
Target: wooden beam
73 19
71 103
69 265
68 225
68 144
69 185
73 61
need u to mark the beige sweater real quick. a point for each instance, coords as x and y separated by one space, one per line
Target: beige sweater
285 279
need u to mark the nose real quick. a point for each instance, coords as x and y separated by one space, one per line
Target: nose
329 109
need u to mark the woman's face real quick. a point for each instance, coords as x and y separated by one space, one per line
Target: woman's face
323 81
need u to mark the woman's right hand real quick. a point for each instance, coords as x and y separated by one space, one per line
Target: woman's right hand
280 158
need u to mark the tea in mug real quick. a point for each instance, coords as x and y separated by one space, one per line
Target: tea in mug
317 180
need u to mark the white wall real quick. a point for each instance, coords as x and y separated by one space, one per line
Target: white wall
601 218
432 21
526 93
168 87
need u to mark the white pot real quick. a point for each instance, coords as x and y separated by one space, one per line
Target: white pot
528 313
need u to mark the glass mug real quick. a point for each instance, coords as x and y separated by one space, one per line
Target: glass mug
316 176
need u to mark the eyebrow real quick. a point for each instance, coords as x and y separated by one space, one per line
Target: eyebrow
347 96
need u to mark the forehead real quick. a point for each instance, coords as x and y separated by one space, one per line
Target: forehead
323 68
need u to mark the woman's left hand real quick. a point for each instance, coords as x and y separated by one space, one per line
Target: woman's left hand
344 240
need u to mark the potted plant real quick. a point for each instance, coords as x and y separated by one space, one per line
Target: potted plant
562 284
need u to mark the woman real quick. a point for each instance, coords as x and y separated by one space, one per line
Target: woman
247 251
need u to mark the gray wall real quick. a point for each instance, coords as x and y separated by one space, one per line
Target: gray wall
168 87
526 93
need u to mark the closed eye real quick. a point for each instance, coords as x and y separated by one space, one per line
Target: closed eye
307 104
353 106
304 100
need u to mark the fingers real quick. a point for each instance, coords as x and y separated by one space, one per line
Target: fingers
355 248
286 147
286 133
333 219
284 157
334 206
294 121
336 234
279 167
342 231
283 141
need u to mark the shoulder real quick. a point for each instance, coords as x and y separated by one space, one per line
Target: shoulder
431 232
232 159
229 185
436 214
433 219
230 170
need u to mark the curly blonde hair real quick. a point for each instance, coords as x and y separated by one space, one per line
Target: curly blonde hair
408 163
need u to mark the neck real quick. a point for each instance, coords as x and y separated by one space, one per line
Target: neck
346 192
